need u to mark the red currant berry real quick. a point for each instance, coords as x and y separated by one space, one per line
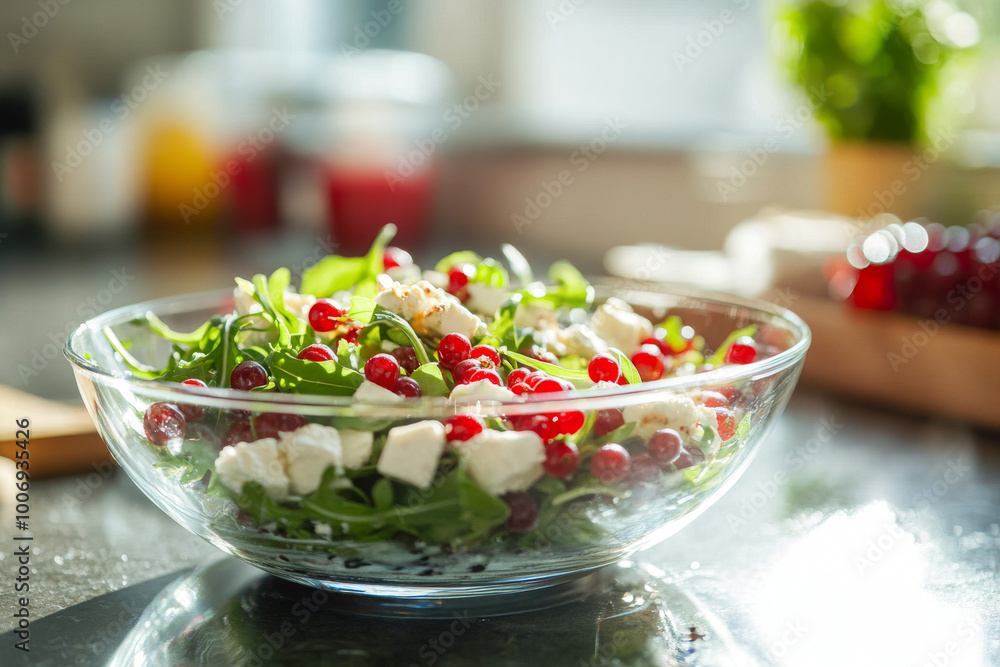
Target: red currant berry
464 369
408 387
238 432
571 422
394 257
247 375
523 512
643 468
324 315
486 374
610 463
163 422
534 378
453 348
665 445
549 386
463 427
544 425
192 413
486 352
383 370
519 389
561 458
517 376
714 399
407 358
316 352
726 422
689 457
604 368
273 424
458 277
742 351
607 421
660 344
649 365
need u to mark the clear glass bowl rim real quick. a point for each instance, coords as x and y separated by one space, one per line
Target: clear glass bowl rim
583 399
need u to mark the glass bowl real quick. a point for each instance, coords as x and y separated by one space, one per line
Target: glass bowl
581 533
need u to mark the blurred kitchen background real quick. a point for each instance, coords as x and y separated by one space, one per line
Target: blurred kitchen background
155 148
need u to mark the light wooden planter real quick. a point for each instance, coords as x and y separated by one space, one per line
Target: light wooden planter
863 179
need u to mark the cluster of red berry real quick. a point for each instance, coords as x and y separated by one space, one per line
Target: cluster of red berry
950 274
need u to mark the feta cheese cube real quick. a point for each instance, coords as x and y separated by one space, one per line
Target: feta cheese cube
299 304
485 299
307 452
446 318
437 278
615 322
581 340
504 461
670 411
256 461
369 392
411 453
707 417
481 390
356 447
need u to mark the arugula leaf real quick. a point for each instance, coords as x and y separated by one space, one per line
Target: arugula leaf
431 380
298 376
628 368
253 500
334 273
361 309
518 264
381 316
154 324
580 378
502 332
571 289
460 257
719 356
277 284
138 368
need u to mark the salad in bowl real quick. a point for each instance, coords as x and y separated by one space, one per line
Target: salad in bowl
455 431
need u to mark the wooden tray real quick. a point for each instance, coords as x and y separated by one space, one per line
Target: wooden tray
62 440
903 361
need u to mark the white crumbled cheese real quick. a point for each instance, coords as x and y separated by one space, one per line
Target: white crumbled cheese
707 417
411 453
308 451
672 411
504 461
430 310
256 461
323 529
544 325
485 299
446 318
356 447
299 304
369 392
481 390
581 340
404 274
615 322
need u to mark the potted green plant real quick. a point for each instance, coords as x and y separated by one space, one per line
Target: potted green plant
884 78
